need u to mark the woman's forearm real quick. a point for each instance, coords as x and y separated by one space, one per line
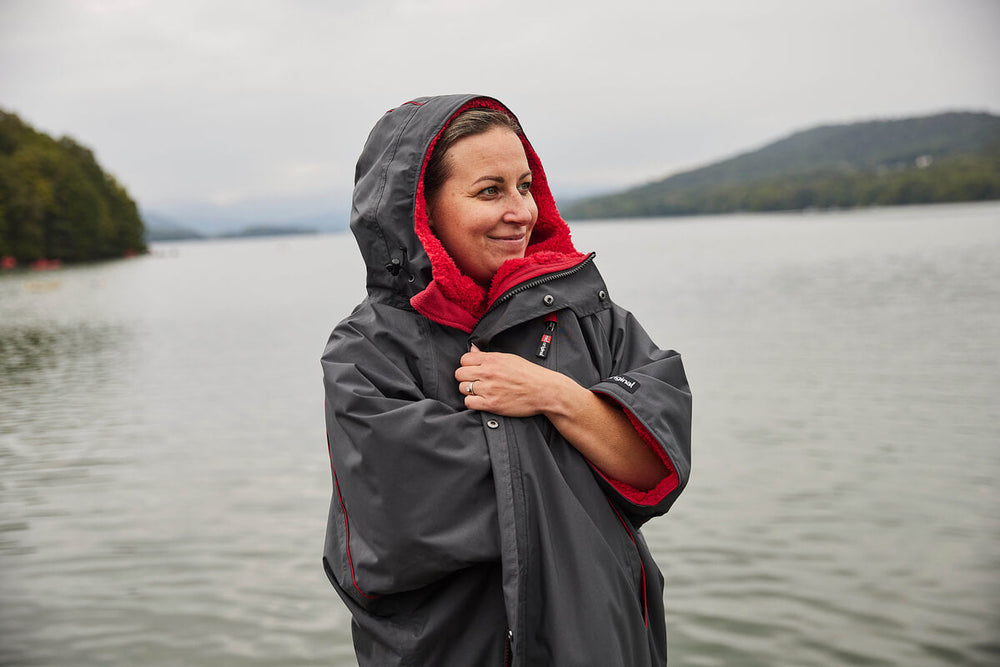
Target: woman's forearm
509 385
603 434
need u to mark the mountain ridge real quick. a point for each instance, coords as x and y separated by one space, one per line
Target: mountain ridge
950 156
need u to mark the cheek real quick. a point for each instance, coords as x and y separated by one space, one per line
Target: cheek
461 229
441 217
534 215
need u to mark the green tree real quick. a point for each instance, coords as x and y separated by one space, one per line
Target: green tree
56 201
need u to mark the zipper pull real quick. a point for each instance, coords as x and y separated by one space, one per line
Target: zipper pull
546 341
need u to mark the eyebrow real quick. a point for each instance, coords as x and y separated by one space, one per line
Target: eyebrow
499 179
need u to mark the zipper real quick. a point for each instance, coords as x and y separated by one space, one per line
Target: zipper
541 280
551 321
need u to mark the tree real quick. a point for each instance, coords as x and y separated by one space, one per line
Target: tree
56 202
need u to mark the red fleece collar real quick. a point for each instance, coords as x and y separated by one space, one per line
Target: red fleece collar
456 300
434 304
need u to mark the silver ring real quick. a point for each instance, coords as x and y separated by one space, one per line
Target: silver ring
469 389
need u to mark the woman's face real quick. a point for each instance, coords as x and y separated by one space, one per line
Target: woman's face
484 212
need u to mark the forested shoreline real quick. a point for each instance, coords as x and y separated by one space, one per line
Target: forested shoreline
57 204
950 157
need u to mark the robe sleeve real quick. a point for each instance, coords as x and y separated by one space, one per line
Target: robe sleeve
650 385
413 495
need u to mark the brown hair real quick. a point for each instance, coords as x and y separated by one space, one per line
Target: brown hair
466 124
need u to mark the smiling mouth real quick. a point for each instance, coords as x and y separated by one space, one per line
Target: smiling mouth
519 237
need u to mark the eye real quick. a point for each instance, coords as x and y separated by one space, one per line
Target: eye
490 191
525 187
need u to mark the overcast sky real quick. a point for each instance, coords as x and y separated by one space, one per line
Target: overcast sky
257 110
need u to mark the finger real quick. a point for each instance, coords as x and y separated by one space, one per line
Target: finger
473 357
473 402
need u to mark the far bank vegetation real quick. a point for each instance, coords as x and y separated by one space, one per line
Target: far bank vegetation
57 204
948 157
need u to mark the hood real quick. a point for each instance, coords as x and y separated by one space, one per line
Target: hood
405 261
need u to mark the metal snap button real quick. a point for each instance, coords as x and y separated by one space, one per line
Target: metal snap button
548 299
602 295
493 423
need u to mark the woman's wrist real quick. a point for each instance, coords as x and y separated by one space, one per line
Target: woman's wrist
564 398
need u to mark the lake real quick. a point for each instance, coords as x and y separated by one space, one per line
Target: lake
164 479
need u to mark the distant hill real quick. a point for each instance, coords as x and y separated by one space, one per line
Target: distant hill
322 213
941 158
57 203
268 230
162 228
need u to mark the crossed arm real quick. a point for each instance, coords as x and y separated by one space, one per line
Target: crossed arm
511 386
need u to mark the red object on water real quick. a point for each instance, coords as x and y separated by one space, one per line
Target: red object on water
8 262
43 264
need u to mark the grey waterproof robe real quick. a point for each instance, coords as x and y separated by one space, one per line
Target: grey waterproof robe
458 537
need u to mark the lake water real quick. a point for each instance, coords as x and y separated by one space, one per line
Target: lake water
164 480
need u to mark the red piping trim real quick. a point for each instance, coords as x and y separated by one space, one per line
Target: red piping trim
416 104
642 567
347 525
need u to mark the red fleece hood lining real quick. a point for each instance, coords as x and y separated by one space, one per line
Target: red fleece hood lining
455 299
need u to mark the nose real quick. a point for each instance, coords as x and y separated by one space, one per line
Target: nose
522 210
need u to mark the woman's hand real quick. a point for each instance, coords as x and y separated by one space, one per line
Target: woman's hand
507 384
511 386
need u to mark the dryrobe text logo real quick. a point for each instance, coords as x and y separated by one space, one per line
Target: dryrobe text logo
629 384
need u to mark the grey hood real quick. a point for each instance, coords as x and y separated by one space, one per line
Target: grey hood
389 218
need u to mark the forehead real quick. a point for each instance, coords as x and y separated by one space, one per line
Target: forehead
496 149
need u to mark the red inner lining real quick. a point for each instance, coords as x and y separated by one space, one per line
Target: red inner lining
665 486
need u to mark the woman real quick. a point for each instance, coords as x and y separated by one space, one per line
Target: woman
498 428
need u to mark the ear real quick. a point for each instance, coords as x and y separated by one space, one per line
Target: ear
428 213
